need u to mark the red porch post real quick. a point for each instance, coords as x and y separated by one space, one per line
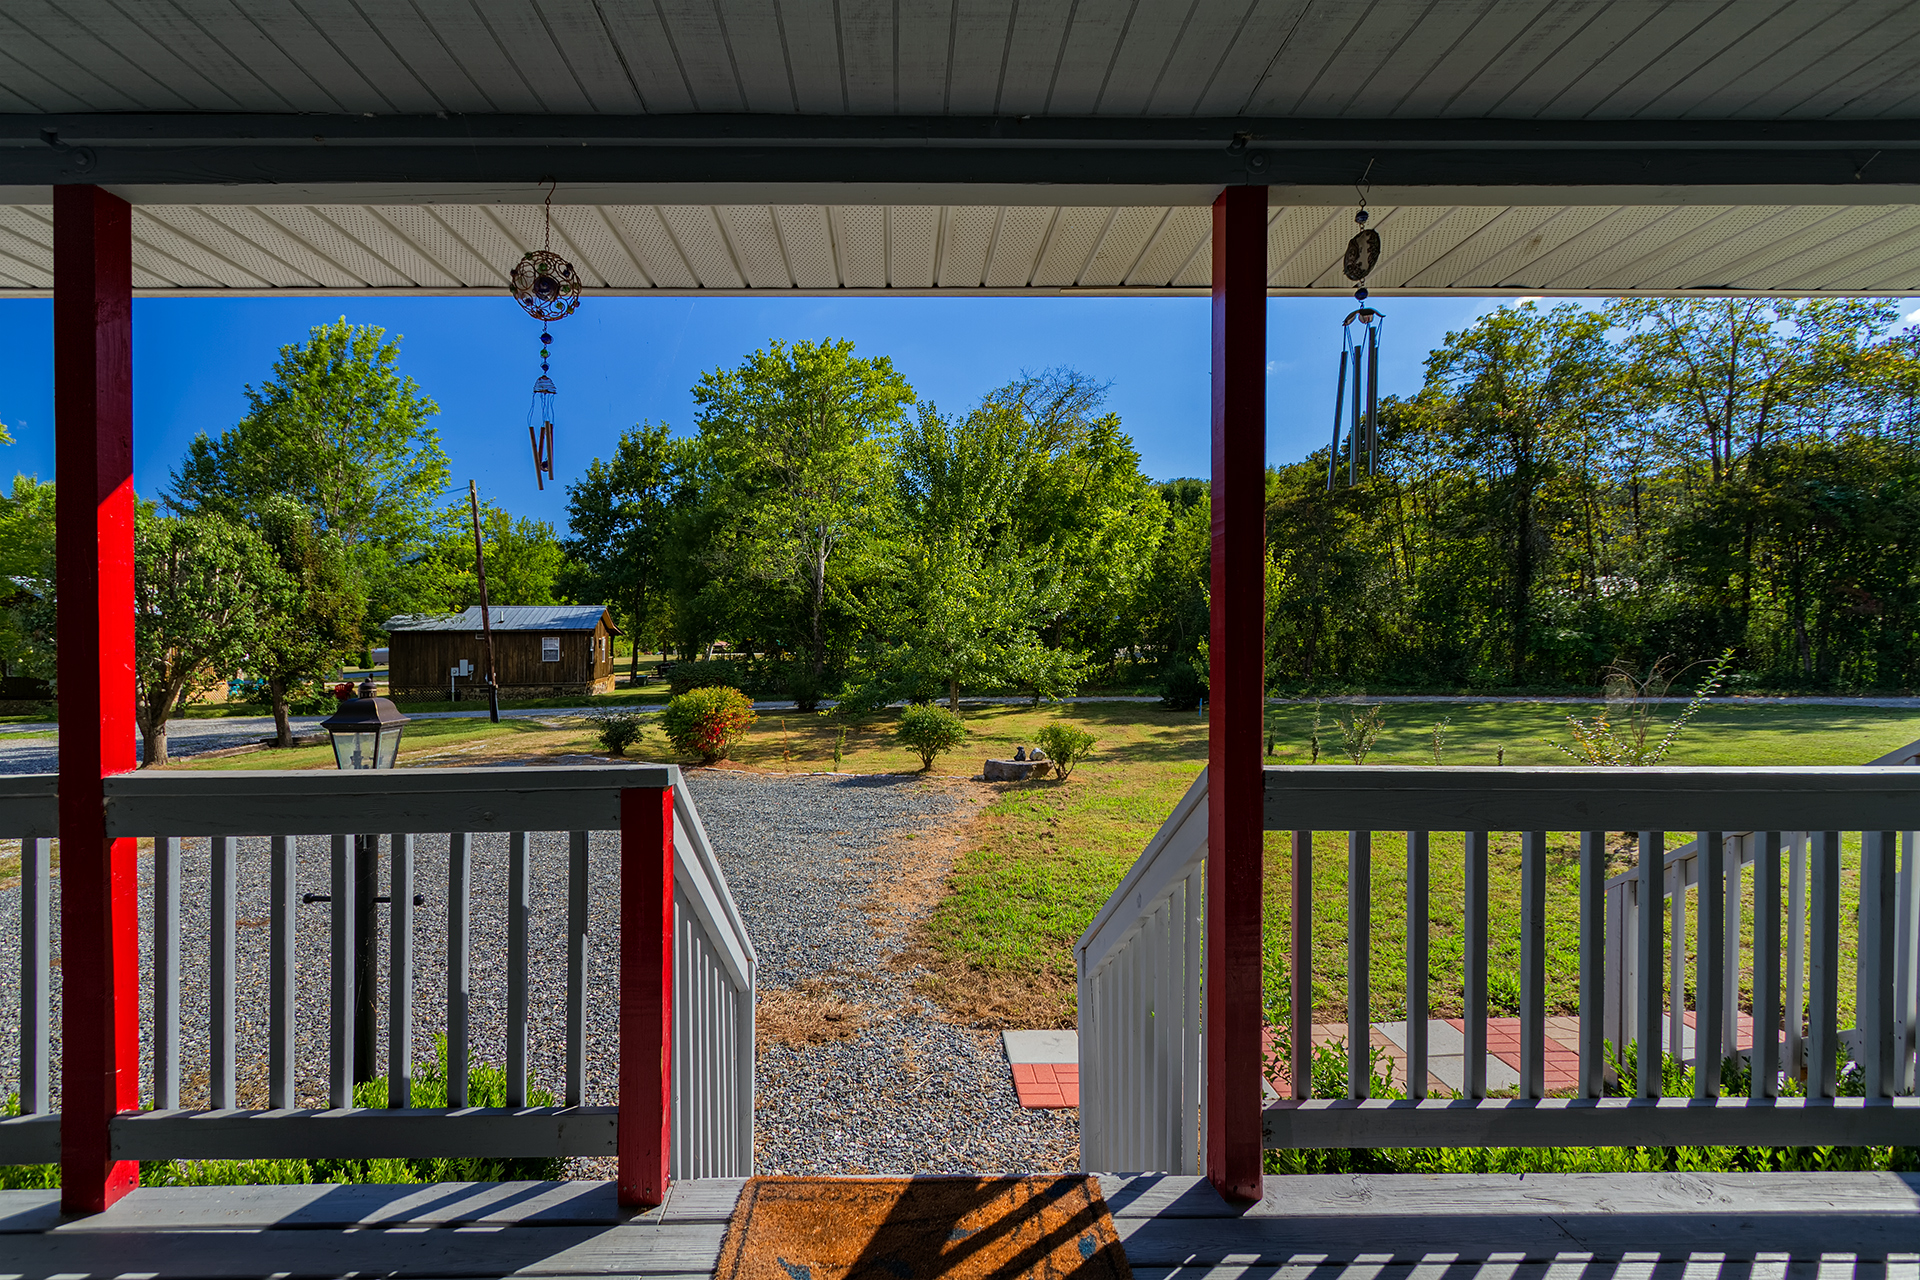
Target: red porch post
1237 691
646 994
99 948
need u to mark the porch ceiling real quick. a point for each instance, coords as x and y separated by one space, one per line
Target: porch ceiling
665 249
1404 59
1521 146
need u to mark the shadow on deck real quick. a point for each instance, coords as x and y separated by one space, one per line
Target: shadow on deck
1448 1227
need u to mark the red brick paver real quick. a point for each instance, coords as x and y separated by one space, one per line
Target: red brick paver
1047 1084
1562 1066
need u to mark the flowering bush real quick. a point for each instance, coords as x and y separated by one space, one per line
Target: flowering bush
707 722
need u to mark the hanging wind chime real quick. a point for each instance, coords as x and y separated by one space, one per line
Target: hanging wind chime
1361 350
547 288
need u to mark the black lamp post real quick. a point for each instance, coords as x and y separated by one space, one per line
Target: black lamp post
366 735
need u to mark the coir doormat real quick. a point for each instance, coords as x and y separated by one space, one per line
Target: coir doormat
921 1228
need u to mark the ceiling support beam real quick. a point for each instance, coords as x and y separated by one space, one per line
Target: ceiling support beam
209 150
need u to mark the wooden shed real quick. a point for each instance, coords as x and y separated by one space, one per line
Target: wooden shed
540 651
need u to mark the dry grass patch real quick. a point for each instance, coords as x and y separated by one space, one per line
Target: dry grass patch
812 1013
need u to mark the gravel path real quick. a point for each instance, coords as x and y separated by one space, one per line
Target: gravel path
908 1093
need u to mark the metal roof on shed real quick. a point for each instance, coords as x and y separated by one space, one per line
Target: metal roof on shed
510 617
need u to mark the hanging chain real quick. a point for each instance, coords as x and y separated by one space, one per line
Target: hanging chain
547 243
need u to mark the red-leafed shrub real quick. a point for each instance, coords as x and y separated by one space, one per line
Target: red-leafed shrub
707 722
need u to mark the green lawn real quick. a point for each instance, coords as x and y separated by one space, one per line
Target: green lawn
1047 855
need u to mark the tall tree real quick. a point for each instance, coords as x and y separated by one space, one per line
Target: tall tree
1514 398
27 579
307 628
796 445
1732 375
971 598
618 518
340 430
525 560
205 588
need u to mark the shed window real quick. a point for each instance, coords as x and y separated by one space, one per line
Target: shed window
549 648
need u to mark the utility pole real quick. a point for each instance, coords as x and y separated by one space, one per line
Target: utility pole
486 621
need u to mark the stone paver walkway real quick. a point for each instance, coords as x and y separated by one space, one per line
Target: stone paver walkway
1446 1051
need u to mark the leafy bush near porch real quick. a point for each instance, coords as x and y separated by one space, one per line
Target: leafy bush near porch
486 1087
707 722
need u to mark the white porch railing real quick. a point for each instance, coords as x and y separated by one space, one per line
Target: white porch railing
713 969
1139 962
714 986
1739 850
1140 995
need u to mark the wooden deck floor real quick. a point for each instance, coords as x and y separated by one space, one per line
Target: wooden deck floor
1537 1227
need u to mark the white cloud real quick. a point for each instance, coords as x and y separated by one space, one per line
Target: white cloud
1271 366
1913 316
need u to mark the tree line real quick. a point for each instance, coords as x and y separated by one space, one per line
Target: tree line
1572 487
1579 485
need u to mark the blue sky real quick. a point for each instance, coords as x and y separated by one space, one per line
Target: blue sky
620 360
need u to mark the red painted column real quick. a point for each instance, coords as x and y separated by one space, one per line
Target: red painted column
646 994
1237 691
93 511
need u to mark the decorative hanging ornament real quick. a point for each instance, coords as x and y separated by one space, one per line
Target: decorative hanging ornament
540 419
1362 351
548 289
1363 441
1363 251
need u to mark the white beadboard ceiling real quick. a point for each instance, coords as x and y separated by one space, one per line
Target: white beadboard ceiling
452 249
1456 59
1387 60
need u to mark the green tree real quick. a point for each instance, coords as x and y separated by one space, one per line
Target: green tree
1079 494
27 579
795 447
525 560
1515 401
205 591
340 430
308 628
618 519
970 598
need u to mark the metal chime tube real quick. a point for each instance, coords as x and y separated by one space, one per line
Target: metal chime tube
1353 437
1373 398
1339 398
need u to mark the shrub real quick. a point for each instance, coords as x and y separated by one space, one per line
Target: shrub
725 672
930 730
707 722
312 699
1066 746
1182 688
617 730
803 686
1359 730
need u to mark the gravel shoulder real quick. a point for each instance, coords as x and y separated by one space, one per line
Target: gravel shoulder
817 864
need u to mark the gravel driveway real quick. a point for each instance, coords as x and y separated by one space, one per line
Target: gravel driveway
908 1093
